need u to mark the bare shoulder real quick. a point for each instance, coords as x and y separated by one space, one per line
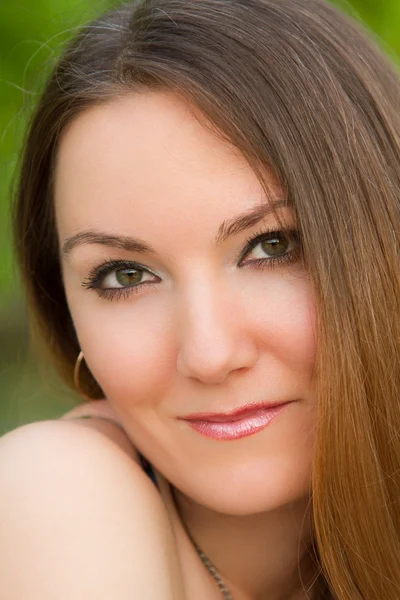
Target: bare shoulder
82 518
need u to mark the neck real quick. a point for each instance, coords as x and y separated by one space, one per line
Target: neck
260 556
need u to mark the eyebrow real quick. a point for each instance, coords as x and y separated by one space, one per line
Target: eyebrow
247 219
227 229
122 242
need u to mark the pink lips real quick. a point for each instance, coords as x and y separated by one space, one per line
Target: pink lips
239 423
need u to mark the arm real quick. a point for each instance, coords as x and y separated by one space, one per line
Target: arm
79 520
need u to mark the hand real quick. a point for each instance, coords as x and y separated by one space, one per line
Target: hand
103 410
96 408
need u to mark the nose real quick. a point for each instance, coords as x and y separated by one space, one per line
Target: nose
215 337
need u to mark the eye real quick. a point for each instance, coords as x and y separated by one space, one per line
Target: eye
272 248
125 278
116 279
273 245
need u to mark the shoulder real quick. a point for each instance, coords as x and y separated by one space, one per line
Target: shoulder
66 444
82 517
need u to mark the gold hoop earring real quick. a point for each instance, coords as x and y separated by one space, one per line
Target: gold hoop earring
76 376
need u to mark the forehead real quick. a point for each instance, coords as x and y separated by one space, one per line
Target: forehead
144 158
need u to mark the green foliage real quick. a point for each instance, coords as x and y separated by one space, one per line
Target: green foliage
32 33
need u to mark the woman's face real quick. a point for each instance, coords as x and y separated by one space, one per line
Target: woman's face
176 311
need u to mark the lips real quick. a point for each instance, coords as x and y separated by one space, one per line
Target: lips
238 414
232 426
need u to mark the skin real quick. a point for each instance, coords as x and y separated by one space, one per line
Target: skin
210 334
94 526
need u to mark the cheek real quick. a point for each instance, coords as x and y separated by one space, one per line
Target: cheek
284 316
128 347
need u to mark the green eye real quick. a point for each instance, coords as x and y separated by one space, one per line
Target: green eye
275 245
116 279
128 277
272 248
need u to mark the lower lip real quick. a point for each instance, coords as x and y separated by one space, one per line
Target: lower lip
233 430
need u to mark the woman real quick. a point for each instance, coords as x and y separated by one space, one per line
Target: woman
208 228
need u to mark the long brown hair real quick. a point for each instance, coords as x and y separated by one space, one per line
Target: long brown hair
299 88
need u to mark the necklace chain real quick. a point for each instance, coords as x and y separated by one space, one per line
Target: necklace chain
213 571
206 561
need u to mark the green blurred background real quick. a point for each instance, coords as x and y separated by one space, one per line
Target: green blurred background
32 33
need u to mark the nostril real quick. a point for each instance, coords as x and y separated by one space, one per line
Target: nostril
213 364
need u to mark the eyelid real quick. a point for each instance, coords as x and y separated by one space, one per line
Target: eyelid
97 274
260 236
107 266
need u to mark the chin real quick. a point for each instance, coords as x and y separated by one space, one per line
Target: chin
243 492
252 504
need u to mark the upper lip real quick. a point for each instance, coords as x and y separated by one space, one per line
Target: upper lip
233 415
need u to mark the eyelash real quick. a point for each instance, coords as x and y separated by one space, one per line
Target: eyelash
98 273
